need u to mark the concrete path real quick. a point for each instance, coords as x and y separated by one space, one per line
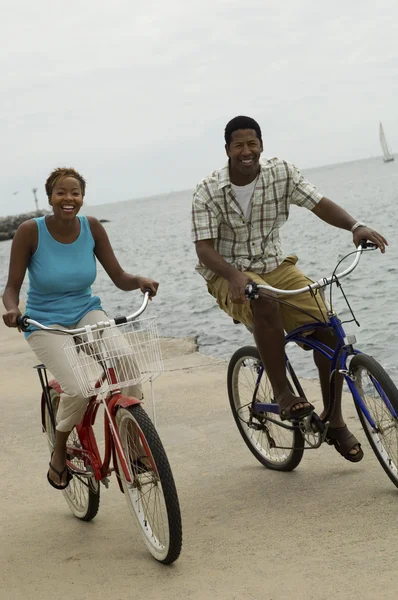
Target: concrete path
327 530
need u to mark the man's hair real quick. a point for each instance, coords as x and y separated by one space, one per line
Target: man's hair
241 122
59 174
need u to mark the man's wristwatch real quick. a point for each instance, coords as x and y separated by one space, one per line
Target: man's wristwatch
356 225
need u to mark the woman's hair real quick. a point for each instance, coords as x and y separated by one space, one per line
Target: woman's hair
61 173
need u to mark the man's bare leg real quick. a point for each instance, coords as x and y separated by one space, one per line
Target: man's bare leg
323 365
269 336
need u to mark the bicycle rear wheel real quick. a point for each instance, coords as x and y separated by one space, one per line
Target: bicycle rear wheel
151 495
380 396
82 494
274 446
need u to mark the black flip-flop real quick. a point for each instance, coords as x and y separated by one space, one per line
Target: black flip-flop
69 476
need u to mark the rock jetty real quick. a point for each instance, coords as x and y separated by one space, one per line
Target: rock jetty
9 225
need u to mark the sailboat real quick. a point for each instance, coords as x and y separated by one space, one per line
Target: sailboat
387 156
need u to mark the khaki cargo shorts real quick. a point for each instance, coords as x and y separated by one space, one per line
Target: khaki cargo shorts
287 277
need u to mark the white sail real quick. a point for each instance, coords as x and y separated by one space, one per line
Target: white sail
387 156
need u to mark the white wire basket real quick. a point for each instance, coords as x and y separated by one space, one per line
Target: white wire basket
131 350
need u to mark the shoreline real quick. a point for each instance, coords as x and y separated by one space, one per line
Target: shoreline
190 190
174 346
10 224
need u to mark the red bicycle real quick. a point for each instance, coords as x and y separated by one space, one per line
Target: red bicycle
105 358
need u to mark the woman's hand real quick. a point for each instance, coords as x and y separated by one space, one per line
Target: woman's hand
10 317
145 284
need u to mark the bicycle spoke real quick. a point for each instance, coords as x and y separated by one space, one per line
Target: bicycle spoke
81 495
248 378
380 397
78 490
144 493
386 424
275 446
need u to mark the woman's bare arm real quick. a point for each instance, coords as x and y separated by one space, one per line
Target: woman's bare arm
21 251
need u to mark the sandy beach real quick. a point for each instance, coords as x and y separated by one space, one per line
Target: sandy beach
329 529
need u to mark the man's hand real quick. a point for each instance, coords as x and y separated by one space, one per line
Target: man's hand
146 284
237 283
10 317
366 233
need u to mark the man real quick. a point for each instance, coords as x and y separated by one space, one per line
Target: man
236 216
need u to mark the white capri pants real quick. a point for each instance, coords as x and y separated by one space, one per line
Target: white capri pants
48 349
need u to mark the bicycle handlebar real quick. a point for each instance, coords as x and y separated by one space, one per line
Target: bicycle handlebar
25 321
252 288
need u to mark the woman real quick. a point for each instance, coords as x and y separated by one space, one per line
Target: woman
59 251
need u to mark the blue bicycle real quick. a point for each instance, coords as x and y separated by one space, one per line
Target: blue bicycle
280 446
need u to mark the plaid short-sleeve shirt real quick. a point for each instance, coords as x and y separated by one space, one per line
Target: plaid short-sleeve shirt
251 244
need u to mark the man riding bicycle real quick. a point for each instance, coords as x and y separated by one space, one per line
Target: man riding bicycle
236 215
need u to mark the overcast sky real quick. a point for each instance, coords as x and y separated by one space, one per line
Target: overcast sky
136 95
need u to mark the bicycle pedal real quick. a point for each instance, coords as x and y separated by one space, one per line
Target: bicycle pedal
316 424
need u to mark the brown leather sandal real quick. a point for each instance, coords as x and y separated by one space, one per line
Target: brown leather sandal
287 412
344 441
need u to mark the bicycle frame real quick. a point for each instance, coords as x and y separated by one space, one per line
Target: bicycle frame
337 356
89 452
338 359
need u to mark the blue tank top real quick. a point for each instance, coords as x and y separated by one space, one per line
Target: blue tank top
60 278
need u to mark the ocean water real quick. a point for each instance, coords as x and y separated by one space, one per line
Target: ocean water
151 237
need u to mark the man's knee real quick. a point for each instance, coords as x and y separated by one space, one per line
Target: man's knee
266 309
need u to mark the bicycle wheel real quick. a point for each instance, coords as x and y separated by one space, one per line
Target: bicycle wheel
151 495
274 446
380 396
82 494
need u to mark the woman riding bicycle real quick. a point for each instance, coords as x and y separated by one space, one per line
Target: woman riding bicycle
59 251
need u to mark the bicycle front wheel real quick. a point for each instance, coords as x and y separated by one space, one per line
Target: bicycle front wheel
151 493
380 397
272 444
82 494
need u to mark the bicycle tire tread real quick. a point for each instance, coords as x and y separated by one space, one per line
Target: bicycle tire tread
94 496
297 454
388 386
167 480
